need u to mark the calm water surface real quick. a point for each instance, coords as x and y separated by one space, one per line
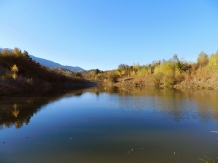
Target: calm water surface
96 126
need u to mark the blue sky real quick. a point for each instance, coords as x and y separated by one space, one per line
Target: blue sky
105 33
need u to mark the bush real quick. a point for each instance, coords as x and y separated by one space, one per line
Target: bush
202 59
169 80
142 71
169 71
213 61
157 79
112 77
179 77
7 75
78 74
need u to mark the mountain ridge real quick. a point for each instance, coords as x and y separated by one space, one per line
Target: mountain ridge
52 64
49 63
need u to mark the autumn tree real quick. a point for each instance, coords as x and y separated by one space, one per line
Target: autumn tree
123 69
213 61
121 72
26 54
78 74
136 67
202 59
17 52
14 69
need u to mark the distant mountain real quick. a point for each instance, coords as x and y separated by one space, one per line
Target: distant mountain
49 63
1 49
52 64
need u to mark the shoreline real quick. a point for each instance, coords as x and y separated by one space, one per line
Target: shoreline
10 88
124 83
147 83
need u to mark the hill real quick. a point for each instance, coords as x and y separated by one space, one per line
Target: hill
49 63
20 73
52 64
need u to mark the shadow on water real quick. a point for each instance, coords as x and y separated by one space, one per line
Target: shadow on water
17 110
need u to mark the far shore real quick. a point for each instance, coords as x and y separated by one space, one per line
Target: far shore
11 87
147 83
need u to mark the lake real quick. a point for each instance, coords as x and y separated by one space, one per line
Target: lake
109 126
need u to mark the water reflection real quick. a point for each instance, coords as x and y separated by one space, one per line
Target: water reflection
109 125
177 105
17 110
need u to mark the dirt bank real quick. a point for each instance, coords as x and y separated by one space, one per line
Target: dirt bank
147 82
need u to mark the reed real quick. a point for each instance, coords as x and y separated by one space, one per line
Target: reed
207 160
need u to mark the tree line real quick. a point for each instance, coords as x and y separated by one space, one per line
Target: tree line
165 73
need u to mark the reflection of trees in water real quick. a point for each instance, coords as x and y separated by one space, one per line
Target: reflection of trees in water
78 93
132 102
207 104
17 111
173 104
178 105
15 114
169 103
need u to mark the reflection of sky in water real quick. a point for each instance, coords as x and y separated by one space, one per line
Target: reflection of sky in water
106 127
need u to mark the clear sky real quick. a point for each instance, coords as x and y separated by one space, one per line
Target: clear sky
105 33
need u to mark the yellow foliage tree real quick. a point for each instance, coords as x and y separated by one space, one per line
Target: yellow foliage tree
14 69
213 61
120 72
17 52
168 71
202 59
137 66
